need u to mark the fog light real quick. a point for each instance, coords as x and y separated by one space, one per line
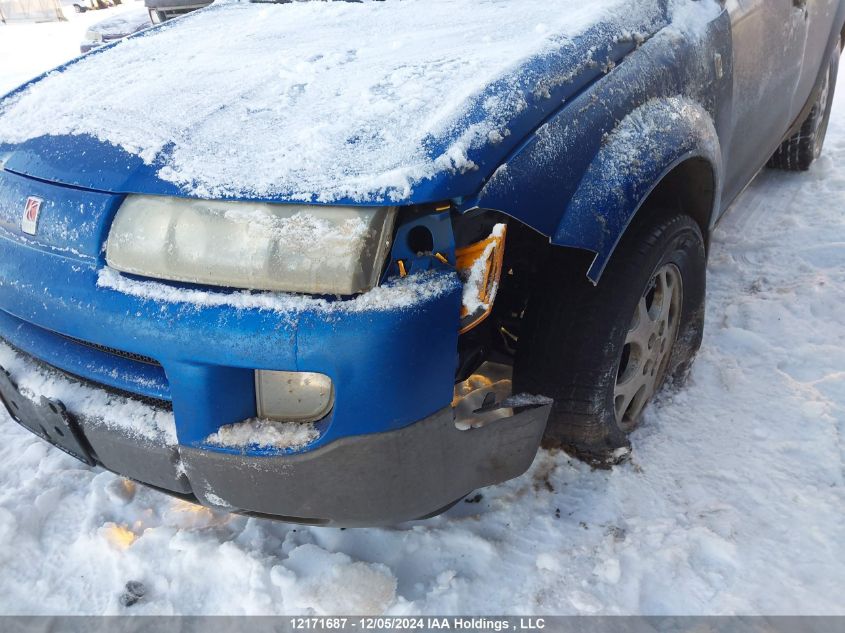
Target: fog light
293 396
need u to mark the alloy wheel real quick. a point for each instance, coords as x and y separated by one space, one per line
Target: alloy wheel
648 345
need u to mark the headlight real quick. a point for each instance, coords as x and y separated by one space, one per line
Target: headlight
312 249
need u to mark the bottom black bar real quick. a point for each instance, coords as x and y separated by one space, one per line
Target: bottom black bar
480 624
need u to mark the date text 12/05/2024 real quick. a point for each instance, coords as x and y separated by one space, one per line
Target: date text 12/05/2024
417 624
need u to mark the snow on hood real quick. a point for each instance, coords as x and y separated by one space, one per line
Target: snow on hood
315 101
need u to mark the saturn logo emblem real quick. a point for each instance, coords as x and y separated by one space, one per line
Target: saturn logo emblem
31 211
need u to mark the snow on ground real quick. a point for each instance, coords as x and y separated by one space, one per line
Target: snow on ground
26 50
732 504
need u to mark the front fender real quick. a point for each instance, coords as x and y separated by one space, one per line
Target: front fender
647 145
581 176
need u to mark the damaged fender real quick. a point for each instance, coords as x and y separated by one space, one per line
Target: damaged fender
583 174
626 171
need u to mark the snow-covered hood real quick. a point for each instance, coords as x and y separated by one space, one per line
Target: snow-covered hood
396 101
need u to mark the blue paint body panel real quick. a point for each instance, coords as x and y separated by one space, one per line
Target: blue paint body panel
390 367
569 182
564 168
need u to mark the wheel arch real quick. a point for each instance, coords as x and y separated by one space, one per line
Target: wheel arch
689 186
666 152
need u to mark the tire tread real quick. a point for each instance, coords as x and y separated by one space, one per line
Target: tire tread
570 316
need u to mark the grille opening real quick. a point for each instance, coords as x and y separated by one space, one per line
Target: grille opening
138 358
157 403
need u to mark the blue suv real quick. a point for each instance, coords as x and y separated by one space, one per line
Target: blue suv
344 263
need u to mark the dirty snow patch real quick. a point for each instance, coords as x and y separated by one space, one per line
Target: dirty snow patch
316 581
526 400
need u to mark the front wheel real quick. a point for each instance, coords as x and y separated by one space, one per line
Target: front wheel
602 352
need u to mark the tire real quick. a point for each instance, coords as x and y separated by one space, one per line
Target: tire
574 345
800 151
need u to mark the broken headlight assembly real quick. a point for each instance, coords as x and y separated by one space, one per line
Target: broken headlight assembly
480 267
255 246
474 247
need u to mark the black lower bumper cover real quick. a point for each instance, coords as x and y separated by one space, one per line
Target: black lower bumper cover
380 479
364 480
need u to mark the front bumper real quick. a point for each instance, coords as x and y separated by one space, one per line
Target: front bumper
365 480
391 364
387 452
